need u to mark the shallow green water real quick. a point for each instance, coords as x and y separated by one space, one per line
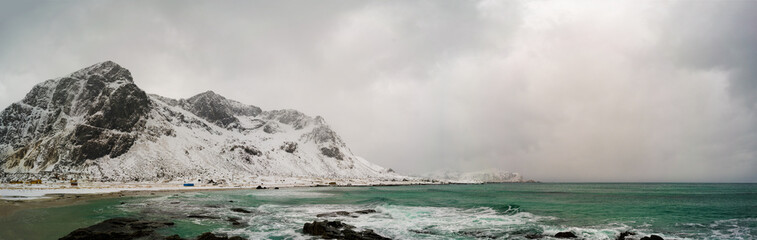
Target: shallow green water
499 211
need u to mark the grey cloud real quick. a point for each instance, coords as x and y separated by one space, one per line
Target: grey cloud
709 34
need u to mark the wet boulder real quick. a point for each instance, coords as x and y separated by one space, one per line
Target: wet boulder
240 210
625 234
338 230
334 214
119 229
366 211
565 235
652 237
211 236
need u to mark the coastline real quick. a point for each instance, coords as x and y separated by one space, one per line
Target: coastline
15 197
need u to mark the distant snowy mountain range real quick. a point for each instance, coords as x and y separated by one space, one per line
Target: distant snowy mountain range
486 176
96 123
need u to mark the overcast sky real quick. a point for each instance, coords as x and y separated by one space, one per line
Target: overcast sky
555 90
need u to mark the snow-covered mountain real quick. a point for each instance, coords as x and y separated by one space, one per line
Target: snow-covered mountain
485 176
96 123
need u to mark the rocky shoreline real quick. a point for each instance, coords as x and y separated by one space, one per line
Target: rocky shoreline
133 228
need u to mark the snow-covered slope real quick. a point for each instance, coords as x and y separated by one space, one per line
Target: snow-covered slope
96 123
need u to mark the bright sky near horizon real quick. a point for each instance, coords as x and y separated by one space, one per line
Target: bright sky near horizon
555 90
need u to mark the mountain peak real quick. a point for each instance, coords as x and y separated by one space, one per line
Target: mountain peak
109 70
218 109
208 95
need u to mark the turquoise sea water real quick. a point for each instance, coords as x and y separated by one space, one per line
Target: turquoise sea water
490 211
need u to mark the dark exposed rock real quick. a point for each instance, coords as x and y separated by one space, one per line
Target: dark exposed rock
332 152
92 143
652 237
217 109
290 117
334 214
338 230
235 221
240 210
122 110
271 128
132 229
248 150
289 147
174 237
259 187
119 229
421 231
566 235
345 213
625 234
211 236
202 216
324 134
366 211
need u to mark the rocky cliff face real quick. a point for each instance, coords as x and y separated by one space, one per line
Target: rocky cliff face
97 123
89 114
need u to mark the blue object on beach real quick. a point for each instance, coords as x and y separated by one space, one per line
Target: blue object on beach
189 184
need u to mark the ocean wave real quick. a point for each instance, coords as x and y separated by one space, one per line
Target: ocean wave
397 221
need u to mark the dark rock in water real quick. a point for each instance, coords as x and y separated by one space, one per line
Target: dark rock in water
202 217
566 235
334 214
130 228
345 213
240 210
534 236
174 237
211 236
235 221
652 237
422 231
276 188
625 234
338 230
367 211
259 187
119 229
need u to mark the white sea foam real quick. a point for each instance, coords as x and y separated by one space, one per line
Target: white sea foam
734 228
394 221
